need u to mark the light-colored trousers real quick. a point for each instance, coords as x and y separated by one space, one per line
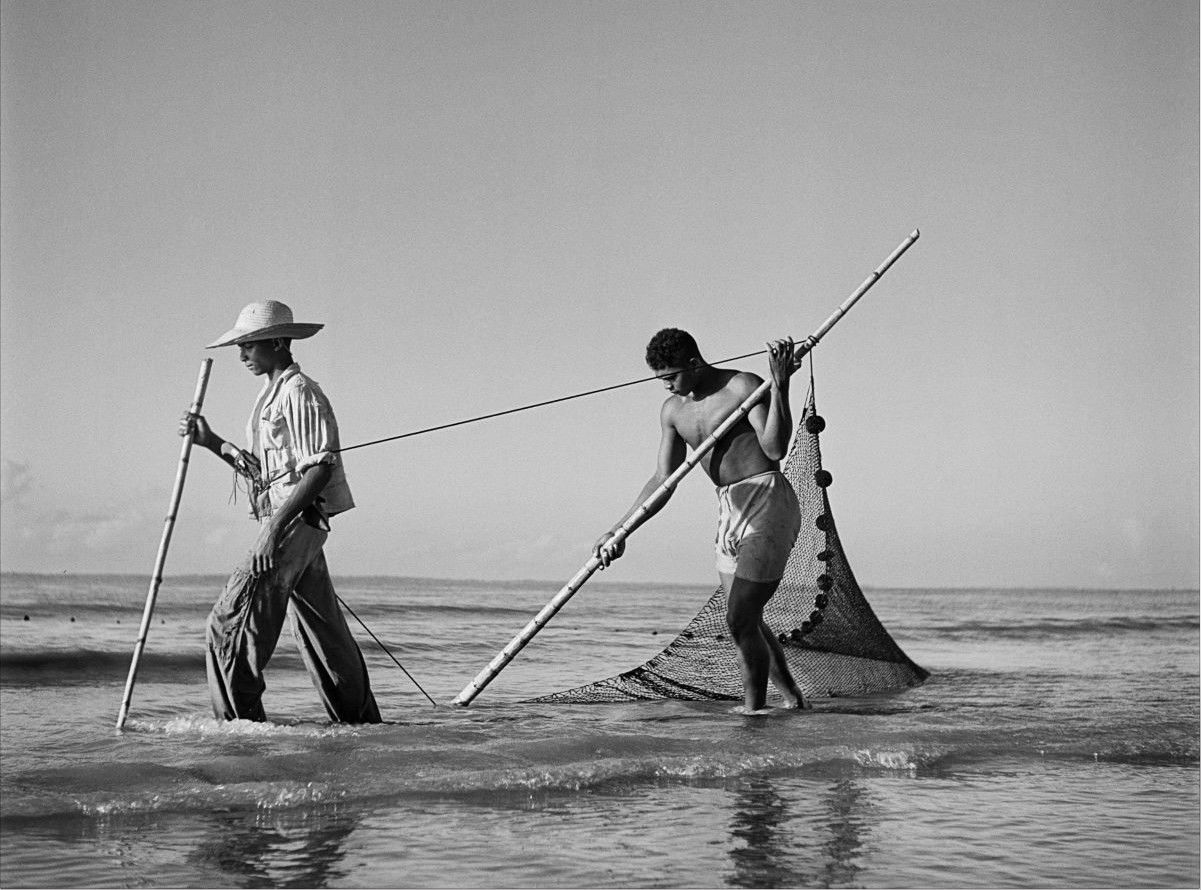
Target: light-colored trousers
245 624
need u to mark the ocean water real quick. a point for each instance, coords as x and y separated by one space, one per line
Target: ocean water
1055 745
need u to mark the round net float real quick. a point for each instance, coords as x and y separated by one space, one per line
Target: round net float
821 601
825 582
823 478
822 522
814 424
825 555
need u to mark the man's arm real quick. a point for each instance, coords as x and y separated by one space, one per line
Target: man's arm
203 435
672 450
772 421
302 496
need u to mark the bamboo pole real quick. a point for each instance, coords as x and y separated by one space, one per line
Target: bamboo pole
663 492
169 526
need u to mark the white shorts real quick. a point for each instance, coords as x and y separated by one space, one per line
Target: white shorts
758 521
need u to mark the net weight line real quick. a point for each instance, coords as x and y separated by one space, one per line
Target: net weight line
661 494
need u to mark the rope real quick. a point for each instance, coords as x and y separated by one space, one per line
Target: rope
578 395
385 648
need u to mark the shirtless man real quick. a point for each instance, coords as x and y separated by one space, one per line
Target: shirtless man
758 515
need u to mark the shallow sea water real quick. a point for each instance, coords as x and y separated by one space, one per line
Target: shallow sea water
1055 745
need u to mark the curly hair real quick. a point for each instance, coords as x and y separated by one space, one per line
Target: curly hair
671 347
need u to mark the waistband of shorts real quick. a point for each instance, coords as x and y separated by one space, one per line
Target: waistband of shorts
757 478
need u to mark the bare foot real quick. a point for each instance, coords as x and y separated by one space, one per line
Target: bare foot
795 704
753 712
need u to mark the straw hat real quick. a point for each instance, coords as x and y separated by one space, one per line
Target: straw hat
265 321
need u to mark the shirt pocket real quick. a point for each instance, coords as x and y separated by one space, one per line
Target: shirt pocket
273 432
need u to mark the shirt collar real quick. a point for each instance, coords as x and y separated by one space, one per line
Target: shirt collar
271 387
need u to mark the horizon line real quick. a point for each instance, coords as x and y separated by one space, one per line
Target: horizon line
555 582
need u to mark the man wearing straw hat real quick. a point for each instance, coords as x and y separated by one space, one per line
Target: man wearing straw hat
297 484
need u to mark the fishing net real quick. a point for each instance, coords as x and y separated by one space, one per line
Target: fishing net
834 643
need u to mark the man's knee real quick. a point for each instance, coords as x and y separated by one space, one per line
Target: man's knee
740 623
744 607
230 605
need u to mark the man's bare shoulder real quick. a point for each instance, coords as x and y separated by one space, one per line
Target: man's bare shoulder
670 407
743 383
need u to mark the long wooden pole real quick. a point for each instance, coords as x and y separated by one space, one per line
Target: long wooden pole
663 492
156 578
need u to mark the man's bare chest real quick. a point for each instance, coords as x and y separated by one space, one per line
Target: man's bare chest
696 421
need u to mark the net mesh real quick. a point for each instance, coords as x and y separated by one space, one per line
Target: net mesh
833 641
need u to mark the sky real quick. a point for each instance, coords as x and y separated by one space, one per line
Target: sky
493 204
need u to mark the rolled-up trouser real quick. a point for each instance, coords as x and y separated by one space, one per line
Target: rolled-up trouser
245 625
757 524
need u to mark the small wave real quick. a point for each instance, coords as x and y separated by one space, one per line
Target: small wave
429 610
386 766
1167 752
242 796
70 666
384 772
85 659
86 666
888 760
205 727
1069 627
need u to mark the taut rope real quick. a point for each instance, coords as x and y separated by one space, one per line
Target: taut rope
385 648
578 395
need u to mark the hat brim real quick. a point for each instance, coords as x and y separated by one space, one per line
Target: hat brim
294 331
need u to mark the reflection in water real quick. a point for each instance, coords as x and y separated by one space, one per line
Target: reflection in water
844 821
771 851
293 848
760 823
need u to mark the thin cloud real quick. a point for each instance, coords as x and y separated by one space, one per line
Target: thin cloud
16 481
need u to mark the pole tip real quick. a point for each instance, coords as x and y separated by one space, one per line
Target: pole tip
916 234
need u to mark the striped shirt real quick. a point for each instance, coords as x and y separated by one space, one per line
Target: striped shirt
292 428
